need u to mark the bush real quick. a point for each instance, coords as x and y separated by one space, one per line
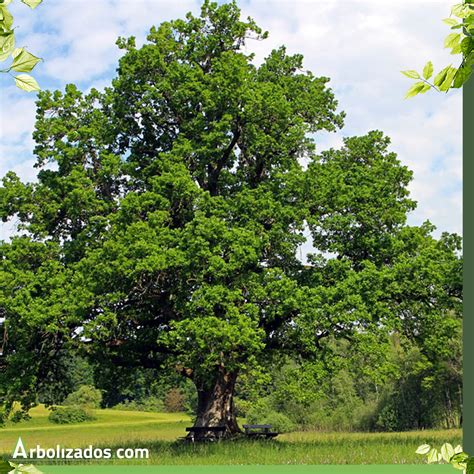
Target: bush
20 415
69 414
86 396
259 410
3 415
153 404
279 422
174 401
262 413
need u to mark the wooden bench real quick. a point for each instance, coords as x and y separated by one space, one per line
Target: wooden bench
196 430
262 431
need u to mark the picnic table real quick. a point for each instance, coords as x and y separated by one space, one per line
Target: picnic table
197 430
263 431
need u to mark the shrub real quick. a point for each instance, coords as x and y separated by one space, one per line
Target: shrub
279 422
146 404
259 410
85 396
69 414
174 401
3 415
20 415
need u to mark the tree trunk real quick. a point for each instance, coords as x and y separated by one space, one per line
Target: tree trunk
216 407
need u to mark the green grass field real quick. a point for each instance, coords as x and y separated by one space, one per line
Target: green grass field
159 432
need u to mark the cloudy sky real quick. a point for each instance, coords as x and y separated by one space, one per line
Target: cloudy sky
360 45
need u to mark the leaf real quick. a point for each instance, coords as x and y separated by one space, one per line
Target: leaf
7 18
452 40
27 83
447 452
423 449
458 449
459 11
470 466
450 21
458 461
467 45
415 89
411 74
428 70
27 469
7 44
456 49
24 61
441 76
433 456
5 467
32 3
448 81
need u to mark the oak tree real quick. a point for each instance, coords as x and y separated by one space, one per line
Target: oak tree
166 224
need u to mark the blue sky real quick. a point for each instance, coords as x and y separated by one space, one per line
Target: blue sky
361 45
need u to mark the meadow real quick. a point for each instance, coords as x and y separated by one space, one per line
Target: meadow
159 432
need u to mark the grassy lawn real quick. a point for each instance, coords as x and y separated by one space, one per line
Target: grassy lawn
158 432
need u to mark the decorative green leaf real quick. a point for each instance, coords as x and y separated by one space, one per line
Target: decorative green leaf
459 460
456 49
452 40
5 467
450 21
448 81
470 466
428 70
411 74
433 456
423 449
415 89
458 449
6 18
467 45
27 83
460 11
447 451
425 88
26 469
24 61
7 44
441 76
32 3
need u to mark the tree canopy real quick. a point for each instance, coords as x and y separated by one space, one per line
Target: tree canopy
167 220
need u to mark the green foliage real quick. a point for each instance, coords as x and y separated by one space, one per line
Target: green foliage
70 414
23 61
19 416
85 396
150 404
66 373
280 422
461 42
262 412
